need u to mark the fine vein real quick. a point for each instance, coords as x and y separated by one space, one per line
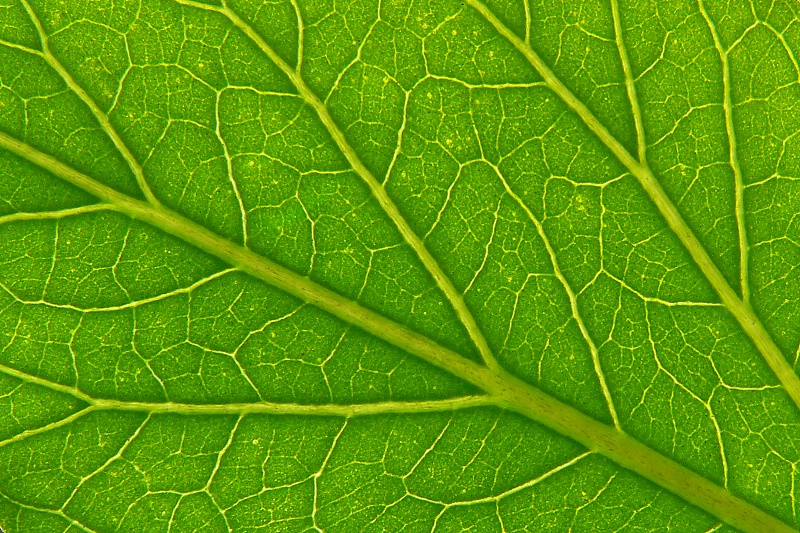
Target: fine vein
506 390
386 203
740 310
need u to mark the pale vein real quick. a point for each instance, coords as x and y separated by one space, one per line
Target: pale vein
98 113
573 299
727 106
386 203
506 390
741 311
629 83
252 408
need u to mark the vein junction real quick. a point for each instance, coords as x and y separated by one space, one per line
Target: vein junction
375 187
741 310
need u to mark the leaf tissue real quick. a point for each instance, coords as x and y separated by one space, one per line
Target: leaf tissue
399 266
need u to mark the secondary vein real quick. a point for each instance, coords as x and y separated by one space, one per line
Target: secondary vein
727 106
740 310
272 408
98 113
442 280
641 141
505 390
242 409
573 299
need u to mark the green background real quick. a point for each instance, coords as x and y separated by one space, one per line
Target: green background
572 275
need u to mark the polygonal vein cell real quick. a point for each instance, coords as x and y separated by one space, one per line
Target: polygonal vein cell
101 116
687 351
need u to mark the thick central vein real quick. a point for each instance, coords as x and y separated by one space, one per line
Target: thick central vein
442 280
741 311
505 389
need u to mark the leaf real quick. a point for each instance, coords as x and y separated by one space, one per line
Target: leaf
400 266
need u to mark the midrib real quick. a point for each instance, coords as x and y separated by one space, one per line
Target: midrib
741 311
503 388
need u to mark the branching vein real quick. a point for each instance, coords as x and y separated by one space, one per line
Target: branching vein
260 407
98 113
442 280
727 105
641 141
504 389
741 311
573 300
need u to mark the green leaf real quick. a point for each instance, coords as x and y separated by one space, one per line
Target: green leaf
486 266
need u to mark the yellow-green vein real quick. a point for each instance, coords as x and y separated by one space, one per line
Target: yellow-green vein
442 280
727 106
55 215
573 299
630 86
98 113
740 310
505 389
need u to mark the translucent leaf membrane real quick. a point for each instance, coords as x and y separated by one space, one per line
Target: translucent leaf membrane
414 162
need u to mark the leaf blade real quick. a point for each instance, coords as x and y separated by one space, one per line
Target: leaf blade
507 390
684 386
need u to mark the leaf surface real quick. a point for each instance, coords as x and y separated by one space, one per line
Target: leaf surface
399 266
